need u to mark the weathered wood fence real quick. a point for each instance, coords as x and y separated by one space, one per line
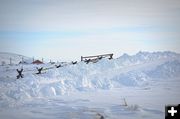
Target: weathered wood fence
96 58
86 59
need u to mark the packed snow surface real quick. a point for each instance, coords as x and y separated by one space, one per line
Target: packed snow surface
92 90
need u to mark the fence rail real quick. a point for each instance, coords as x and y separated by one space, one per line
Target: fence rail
96 57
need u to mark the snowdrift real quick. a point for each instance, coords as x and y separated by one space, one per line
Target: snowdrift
132 71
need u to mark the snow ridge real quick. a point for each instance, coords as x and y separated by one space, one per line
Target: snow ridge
126 71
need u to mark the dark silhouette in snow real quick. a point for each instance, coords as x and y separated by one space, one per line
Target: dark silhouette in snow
39 70
57 66
20 75
100 57
87 61
100 116
74 62
111 57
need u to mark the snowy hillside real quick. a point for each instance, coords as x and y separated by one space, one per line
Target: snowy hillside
144 71
15 58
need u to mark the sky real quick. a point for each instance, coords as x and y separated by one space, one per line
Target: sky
68 29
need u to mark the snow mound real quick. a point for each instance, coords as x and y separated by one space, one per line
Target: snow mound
132 78
125 71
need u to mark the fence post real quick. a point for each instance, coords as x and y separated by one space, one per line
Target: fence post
111 56
57 66
20 75
10 61
39 70
22 59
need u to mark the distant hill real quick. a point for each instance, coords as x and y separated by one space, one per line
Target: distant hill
141 57
15 58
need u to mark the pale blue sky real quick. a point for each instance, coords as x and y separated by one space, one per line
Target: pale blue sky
67 29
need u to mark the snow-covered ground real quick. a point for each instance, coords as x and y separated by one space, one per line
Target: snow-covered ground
15 58
130 87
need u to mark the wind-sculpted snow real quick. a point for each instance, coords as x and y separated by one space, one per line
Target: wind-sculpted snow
170 69
131 78
144 57
125 71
